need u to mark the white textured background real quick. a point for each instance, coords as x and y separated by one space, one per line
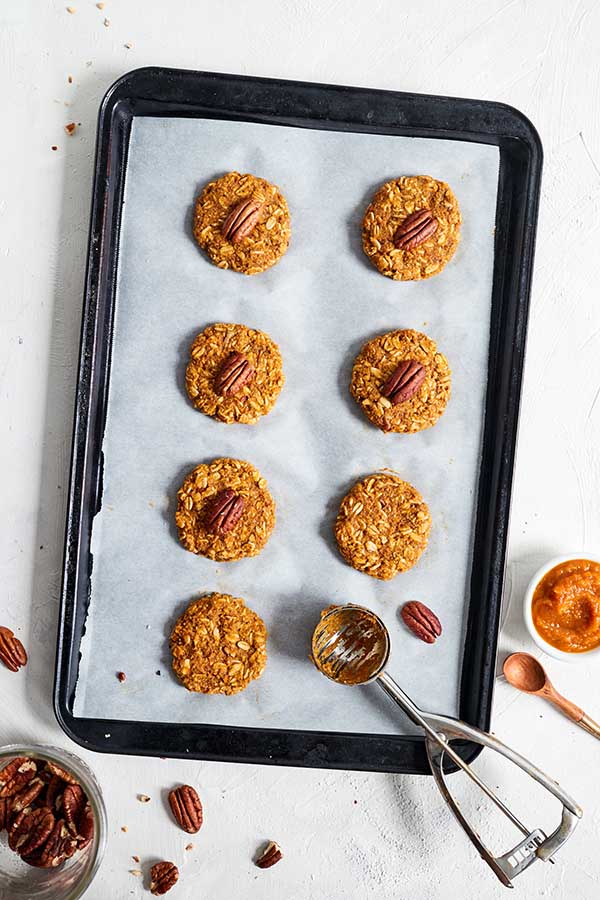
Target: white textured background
543 56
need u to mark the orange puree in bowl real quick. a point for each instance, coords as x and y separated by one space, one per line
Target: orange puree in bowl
566 606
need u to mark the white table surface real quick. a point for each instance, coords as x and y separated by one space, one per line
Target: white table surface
344 835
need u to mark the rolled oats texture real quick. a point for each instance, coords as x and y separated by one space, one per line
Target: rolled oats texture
383 526
218 645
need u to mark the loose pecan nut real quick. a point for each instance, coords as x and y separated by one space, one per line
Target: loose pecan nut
404 382
242 220
415 229
422 621
186 808
235 372
163 876
224 511
16 775
270 855
12 651
26 797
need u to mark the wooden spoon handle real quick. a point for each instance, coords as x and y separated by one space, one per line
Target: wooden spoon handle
575 713
569 708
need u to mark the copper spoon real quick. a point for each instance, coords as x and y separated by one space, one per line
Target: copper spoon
525 673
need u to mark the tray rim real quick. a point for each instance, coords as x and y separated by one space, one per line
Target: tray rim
498 124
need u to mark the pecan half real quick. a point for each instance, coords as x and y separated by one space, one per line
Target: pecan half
422 621
54 794
186 808
270 855
85 826
62 773
59 846
73 803
163 876
4 810
404 382
12 651
224 511
242 220
30 792
16 775
235 372
30 830
415 229
35 859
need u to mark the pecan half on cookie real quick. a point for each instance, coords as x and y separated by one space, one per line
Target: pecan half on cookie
225 510
242 222
401 381
235 373
411 229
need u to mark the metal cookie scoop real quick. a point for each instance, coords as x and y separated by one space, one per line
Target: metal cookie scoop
351 645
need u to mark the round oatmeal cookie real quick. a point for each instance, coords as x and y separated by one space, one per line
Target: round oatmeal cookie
224 510
242 222
382 526
218 645
234 374
411 228
401 381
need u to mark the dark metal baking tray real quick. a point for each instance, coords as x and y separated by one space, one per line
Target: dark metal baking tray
171 92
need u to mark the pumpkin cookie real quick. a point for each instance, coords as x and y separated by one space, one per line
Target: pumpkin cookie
382 526
235 373
401 381
411 228
218 645
224 510
242 222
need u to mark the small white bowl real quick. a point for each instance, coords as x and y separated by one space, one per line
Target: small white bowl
535 635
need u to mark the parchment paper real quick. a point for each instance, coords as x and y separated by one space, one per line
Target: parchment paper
320 303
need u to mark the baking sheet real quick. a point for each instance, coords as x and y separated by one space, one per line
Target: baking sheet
320 303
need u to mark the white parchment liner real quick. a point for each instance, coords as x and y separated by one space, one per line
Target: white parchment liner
320 303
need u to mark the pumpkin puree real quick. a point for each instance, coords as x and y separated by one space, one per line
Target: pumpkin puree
566 606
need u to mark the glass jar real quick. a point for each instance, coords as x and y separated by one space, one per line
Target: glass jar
19 881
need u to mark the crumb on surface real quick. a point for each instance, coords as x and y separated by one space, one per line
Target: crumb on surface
54 147
71 128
